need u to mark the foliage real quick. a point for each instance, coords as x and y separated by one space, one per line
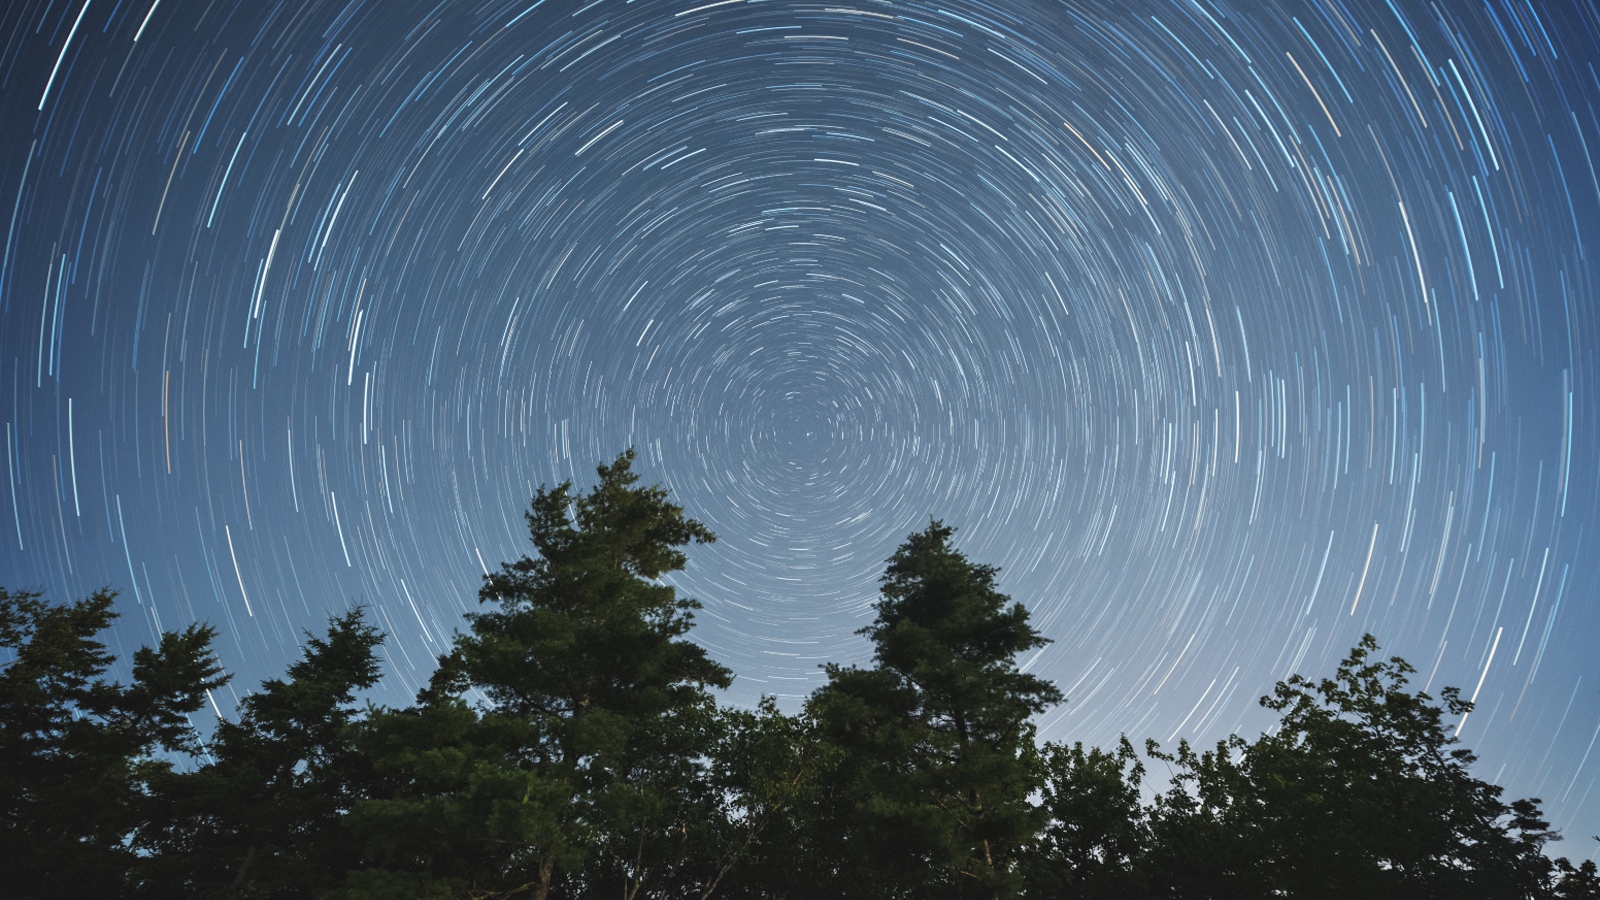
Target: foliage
585 766
1096 826
76 749
771 771
569 745
263 817
937 743
1358 792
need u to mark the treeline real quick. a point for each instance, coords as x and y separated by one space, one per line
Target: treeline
569 745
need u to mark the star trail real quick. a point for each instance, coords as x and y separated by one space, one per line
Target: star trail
1230 331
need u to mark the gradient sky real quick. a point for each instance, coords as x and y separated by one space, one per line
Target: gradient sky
1230 331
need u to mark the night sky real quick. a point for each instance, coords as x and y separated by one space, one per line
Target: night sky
1230 331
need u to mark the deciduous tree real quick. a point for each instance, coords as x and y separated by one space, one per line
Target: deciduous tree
1097 824
1359 791
582 769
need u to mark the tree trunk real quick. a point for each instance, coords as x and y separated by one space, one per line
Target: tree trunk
541 891
244 866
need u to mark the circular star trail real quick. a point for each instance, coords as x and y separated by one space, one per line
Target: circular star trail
1229 331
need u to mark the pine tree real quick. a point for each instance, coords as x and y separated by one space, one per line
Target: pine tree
77 751
931 799
264 816
583 767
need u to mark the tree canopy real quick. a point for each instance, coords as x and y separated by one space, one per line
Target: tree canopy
571 744
77 750
936 738
586 763
1359 791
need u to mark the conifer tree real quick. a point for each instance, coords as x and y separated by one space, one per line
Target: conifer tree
76 749
581 772
264 816
938 745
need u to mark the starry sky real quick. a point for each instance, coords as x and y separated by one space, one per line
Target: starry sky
1230 331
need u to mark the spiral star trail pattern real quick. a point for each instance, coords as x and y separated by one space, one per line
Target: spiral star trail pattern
1230 331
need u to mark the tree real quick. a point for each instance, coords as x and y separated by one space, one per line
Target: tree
1357 792
1580 883
931 797
76 750
264 817
1096 827
768 771
584 764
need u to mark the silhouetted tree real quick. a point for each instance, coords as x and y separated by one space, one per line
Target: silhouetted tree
769 770
582 770
264 817
77 750
1576 883
569 746
1357 793
1096 827
938 760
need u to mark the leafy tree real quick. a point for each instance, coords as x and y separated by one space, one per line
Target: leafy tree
1097 825
76 750
264 817
931 796
582 769
1580 883
769 771
1200 844
1358 792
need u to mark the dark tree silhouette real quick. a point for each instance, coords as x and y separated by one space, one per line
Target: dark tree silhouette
76 749
1359 792
584 766
931 798
1097 827
569 745
263 818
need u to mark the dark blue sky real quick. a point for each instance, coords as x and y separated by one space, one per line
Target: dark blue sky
1230 331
